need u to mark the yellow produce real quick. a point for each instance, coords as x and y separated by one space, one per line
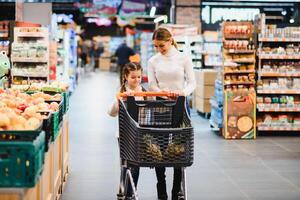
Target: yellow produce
4 120
32 124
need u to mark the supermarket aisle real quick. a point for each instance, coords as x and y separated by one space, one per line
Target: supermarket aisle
268 168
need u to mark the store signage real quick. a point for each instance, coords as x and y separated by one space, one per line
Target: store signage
133 6
108 3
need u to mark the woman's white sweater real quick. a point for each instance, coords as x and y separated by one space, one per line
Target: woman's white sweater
172 71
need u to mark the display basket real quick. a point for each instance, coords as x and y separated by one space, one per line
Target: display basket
156 133
56 119
21 157
48 128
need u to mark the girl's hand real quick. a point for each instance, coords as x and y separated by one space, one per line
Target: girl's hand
128 93
176 93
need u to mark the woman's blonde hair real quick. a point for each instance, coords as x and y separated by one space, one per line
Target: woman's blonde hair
164 34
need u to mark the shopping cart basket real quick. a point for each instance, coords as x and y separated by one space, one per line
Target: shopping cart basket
154 133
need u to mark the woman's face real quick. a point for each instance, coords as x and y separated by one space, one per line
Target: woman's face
162 46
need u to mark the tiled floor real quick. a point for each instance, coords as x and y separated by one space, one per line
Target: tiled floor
262 169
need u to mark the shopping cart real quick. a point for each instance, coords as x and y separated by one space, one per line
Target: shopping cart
154 133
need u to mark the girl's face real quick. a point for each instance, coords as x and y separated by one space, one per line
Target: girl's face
162 46
134 79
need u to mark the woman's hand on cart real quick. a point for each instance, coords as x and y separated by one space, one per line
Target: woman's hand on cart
162 94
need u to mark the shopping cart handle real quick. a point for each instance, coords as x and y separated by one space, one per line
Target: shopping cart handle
147 94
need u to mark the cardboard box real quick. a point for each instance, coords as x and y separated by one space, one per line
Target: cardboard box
203 105
104 64
206 76
205 91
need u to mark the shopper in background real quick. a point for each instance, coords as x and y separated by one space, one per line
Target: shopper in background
171 71
131 82
123 53
96 51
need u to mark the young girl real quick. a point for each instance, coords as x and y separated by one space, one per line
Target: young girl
131 82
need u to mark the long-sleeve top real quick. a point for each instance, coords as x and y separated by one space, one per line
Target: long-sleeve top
172 71
114 108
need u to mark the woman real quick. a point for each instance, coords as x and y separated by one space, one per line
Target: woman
172 71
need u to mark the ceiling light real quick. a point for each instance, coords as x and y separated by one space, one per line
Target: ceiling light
152 11
292 21
161 18
283 12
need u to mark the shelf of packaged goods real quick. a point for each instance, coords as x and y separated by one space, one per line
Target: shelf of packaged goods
30 60
238 83
31 34
277 91
239 72
276 39
244 61
267 108
235 51
44 75
278 128
277 74
279 57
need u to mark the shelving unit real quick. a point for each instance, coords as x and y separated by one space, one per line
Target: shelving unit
239 81
6 36
193 47
147 50
212 45
278 88
30 56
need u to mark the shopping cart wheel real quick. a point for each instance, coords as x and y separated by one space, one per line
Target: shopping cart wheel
181 196
120 197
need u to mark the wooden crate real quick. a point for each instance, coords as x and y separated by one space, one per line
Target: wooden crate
27 194
57 164
65 149
47 177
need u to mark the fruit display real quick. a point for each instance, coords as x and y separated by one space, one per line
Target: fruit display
21 111
29 50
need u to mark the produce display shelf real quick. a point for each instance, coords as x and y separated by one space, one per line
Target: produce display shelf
276 39
31 34
277 74
239 72
277 91
278 128
31 60
279 57
29 75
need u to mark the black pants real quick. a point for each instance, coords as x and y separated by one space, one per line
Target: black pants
161 181
135 172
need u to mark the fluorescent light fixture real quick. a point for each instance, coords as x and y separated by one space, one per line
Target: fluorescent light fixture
283 12
161 18
292 21
152 11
